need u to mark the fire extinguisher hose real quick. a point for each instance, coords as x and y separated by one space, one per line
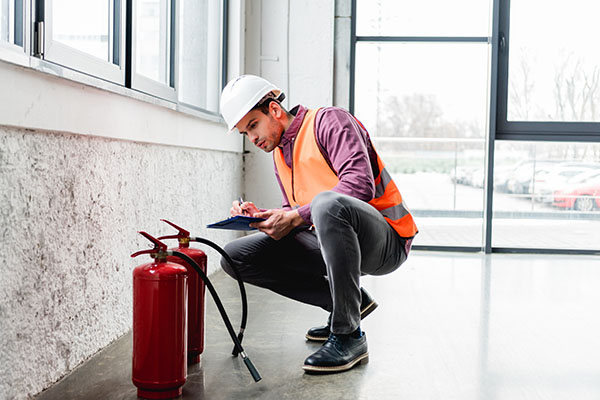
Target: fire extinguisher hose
253 371
238 277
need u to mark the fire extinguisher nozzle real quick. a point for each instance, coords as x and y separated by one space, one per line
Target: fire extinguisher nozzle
253 371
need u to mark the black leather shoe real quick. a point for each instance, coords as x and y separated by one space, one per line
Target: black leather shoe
339 353
318 333
321 333
367 304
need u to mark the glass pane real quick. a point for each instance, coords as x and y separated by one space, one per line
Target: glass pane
18 24
554 71
153 39
428 124
422 18
547 195
83 25
200 53
6 19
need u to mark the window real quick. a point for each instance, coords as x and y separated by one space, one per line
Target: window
547 195
154 47
493 137
429 18
421 86
549 79
199 55
170 49
86 36
177 49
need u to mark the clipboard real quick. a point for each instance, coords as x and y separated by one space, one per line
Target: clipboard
237 223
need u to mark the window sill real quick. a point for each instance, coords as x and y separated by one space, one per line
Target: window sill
43 95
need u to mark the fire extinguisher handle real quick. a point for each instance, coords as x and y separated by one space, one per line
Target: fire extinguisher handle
158 245
171 237
139 253
182 232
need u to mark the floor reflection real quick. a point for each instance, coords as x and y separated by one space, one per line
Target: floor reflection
449 326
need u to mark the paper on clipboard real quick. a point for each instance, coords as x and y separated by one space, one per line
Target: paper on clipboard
237 223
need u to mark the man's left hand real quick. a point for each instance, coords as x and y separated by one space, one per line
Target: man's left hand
278 222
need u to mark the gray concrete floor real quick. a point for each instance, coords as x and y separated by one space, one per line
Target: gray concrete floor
449 326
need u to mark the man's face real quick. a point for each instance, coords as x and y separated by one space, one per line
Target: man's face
263 130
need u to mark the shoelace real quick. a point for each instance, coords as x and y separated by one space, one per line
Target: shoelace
335 341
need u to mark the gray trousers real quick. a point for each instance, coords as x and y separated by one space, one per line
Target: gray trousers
323 266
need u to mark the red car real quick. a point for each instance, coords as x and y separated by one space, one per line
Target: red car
581 196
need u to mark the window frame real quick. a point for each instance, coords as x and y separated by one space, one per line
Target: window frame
75 65
499 128
147 85
221 68
17 23
72 58
530 130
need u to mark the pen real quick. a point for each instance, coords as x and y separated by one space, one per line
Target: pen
241 201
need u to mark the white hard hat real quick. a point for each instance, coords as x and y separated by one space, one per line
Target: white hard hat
241 95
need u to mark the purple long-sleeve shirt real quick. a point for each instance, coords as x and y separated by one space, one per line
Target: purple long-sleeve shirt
346 147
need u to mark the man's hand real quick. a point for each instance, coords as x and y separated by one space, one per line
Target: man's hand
279 222
245 208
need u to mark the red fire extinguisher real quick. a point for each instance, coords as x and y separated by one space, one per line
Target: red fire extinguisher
196 291
159 325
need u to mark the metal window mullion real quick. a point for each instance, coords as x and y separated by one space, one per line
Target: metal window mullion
425 39
225 43
117 35
556 136
172 43
128 42
164 34
488 208
111 33
577 127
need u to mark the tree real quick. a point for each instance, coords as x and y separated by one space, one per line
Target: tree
576 92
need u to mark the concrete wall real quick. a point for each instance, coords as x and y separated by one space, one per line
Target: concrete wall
76 184
291 44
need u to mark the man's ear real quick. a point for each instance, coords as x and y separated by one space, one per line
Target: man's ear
275 110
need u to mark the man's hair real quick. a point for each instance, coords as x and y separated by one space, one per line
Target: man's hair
263 104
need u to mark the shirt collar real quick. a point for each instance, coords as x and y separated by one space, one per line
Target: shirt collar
290 133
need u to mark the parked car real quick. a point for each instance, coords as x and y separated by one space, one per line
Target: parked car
547 182
520 181
581 194
501 176
471 176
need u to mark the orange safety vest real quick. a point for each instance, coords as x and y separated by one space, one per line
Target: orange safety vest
311 174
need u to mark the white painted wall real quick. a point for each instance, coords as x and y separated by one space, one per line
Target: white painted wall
289 43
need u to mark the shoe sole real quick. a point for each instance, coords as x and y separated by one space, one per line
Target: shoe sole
368 309
363 314
316 338
360 360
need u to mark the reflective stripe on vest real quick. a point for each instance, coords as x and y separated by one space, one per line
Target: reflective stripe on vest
311 175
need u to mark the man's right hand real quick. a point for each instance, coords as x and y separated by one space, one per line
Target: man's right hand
246 208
